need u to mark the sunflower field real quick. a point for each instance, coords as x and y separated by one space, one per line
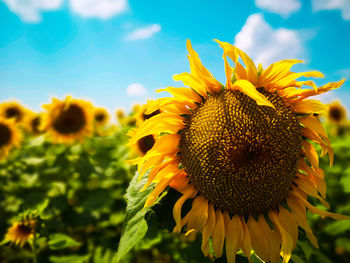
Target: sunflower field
78 184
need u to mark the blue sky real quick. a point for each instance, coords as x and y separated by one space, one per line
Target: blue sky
118 52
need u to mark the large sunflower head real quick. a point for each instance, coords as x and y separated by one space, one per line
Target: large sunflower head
101 117
243 152
68 121
10 136
13 110
21 232
336 112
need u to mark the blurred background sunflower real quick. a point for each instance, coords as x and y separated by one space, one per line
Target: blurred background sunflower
10 136
68 121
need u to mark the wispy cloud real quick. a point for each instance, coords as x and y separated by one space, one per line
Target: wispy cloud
30 10
102 9
284 8
144 32
136 89
266 44
342 5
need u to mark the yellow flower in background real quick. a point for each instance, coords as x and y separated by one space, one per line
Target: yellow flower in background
68 121
10 136
101 117
141 115
33 123
336 112
144 144
242 153
13 110
21 232
120 114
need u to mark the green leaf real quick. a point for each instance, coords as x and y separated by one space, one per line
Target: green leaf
34 161
60 241
338 227
135 226
71 259
101 256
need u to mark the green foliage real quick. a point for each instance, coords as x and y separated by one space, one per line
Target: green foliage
135 226
60 241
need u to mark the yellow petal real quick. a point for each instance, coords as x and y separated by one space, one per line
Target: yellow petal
259 242
229 50
251 68
163 183
218 236
241 73
273 238
309 188
163 122
229 73
314 124
315 210
190 192
193 82
208 230
247 88
198 215
198 70
310 153
247 243
300 215
287 241
289 223
184 94
284 82
234 236
308 106
278 70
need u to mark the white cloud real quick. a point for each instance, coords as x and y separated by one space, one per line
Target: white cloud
144 32
284 8
136 89
102 9
267 45
29 10
342 5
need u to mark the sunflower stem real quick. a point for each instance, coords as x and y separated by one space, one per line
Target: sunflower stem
34 249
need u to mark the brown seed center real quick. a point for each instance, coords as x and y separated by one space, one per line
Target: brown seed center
146 143
13 112
240 156
70 121
99 117
5 135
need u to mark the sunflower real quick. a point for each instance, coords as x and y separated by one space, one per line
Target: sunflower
33 123
120 114
68 120
13 110
21 232
336 112
10 136
144 144
142 116
242 153
101 117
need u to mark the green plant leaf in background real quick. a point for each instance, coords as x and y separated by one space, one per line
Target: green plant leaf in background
70 259
135 226
60 241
